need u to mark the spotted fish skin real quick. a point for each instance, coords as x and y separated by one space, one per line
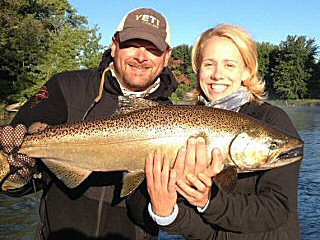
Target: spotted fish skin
122 142
4 166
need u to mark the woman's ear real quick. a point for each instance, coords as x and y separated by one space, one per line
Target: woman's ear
245 75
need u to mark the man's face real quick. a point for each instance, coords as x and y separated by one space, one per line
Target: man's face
138 63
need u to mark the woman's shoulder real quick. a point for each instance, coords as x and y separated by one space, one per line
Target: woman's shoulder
270 108
270 114
261 109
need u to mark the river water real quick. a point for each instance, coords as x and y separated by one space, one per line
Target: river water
19 216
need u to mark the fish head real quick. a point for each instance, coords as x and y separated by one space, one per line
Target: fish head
264 148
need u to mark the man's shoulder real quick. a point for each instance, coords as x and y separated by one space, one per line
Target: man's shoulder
77 75
78 79
74 83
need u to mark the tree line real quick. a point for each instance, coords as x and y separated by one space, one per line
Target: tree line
290 70
39 38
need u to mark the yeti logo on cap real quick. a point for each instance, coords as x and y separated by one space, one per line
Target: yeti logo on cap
148 19
146 24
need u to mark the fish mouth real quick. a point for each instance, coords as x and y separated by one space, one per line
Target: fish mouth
283 158
288 155
295 153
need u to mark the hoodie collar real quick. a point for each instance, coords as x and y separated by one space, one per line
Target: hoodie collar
231 102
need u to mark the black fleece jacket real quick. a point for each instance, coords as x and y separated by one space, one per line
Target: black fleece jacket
94 209
262 206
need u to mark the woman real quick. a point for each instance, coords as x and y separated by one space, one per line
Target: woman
263 204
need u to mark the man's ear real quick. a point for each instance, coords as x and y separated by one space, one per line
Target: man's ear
113 47
167 57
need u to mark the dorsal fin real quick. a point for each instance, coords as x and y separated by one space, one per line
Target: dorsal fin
130 104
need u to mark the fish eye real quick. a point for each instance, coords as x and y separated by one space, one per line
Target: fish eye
274 145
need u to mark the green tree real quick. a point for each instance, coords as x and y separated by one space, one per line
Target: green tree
69 50
182 70
39 39
295 62
183 53
314 84
265 63
23 41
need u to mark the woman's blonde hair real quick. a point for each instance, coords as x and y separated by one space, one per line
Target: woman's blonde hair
248 51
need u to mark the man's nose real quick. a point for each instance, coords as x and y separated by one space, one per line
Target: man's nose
141 54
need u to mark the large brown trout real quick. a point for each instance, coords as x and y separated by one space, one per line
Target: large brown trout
122 142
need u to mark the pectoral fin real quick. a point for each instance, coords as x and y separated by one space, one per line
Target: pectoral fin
37 127
226 180
70 175
131 181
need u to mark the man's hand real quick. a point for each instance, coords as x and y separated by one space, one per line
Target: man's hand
21 166
11 138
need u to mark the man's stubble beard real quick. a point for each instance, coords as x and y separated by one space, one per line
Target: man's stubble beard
130 83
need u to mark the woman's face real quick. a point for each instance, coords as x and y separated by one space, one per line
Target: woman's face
222 68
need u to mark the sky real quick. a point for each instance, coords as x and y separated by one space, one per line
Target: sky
267 21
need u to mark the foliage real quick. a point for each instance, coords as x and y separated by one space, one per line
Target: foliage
40 38
67 51
295 62
23 40
266 62
314 84
180 65
183 53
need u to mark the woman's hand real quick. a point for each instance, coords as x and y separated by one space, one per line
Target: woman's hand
194 173
160 183
191 159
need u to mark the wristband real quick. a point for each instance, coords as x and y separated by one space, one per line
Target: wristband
164 221
201 210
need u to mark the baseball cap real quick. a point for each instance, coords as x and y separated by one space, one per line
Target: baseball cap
146 24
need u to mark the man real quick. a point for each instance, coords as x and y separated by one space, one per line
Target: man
135 65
